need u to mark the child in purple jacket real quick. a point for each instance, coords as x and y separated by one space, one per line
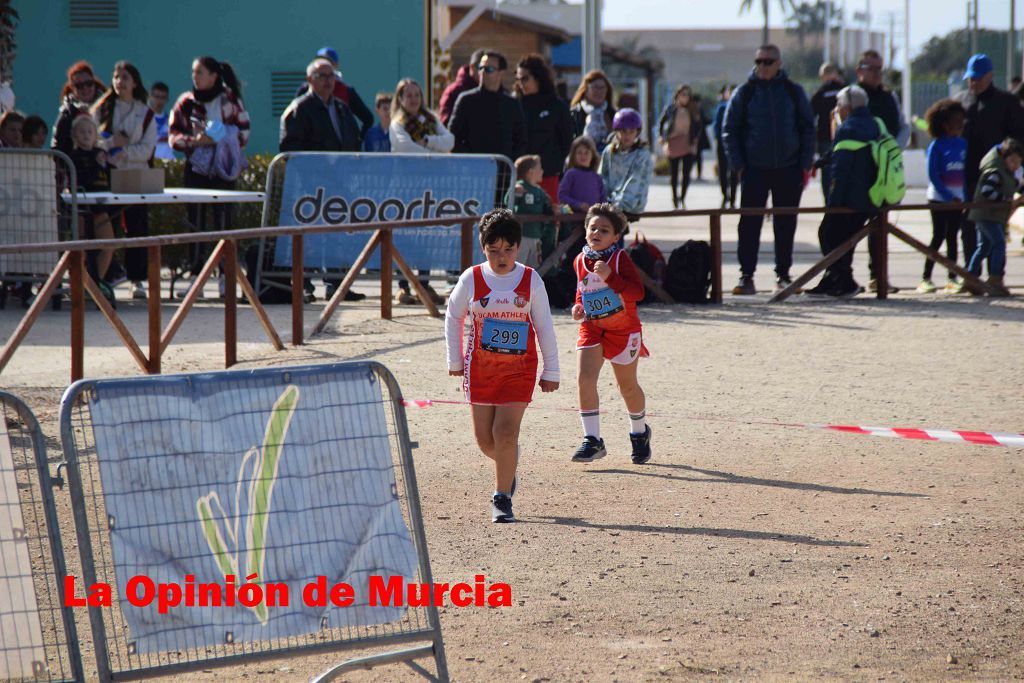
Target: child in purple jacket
581 186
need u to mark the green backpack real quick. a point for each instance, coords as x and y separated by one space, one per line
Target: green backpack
889 187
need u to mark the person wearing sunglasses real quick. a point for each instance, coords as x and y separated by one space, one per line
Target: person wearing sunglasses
79 93
486 119
769 139
548 127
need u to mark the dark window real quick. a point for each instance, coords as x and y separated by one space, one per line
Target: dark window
95 14
283 85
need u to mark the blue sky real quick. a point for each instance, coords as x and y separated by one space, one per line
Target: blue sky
927 17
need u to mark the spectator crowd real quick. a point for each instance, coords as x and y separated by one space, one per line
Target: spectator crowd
770 139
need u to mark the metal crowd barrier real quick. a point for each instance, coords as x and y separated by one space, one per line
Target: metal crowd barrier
38 640
283 473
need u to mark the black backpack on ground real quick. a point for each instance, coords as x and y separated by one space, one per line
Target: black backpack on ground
560 284
687 276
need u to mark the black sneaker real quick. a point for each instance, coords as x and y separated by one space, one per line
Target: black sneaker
641 446
501 509
846 291
590 450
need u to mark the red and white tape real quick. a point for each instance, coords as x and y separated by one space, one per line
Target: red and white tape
943 435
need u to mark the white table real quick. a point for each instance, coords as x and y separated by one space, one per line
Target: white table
171 195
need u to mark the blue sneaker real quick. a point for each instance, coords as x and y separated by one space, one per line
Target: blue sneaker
501 509
641 446
590 450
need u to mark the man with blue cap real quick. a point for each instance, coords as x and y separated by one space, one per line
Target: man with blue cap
992 116
343 91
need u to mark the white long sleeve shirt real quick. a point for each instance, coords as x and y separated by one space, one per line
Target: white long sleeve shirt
402 143
540 314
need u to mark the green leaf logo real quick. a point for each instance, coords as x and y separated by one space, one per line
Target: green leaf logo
256 478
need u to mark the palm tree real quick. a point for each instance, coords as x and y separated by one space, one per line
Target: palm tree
747 5
8 22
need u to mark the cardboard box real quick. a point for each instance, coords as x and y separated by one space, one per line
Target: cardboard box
137 181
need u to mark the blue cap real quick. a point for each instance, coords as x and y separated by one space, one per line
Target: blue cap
977 66
331 54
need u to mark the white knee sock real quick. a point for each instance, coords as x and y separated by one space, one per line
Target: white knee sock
638 422
591 422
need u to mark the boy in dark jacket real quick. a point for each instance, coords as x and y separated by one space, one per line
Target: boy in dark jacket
853 173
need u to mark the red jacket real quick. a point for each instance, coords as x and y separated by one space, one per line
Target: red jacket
463 82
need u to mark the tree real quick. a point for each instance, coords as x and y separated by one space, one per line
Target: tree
747 5
944 54
8 45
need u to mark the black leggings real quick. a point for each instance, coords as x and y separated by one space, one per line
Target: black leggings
944 228
673 165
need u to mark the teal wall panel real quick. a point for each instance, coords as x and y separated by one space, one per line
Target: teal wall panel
379 42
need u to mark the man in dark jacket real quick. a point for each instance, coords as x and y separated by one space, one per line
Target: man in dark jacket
486 119
769 139
467 78
882 103
320 122
823 101
853 173
343 91
992 116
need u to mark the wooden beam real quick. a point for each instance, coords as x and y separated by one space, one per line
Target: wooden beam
716 258
77 270
186 305
940 259
115 321
415 283
298 289
385 274
155 325
343 288
230 303
821 265
34 311
259 310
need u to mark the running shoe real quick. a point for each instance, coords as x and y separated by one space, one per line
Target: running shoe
641 446
501 509
926 287
590 450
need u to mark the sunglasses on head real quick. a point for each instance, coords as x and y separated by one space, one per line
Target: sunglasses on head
764 62
488 69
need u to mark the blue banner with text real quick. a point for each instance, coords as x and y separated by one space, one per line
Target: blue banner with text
348 189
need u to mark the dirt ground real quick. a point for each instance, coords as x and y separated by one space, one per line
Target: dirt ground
743 549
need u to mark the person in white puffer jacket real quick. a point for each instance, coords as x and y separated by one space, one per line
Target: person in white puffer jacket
128 129
414 128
